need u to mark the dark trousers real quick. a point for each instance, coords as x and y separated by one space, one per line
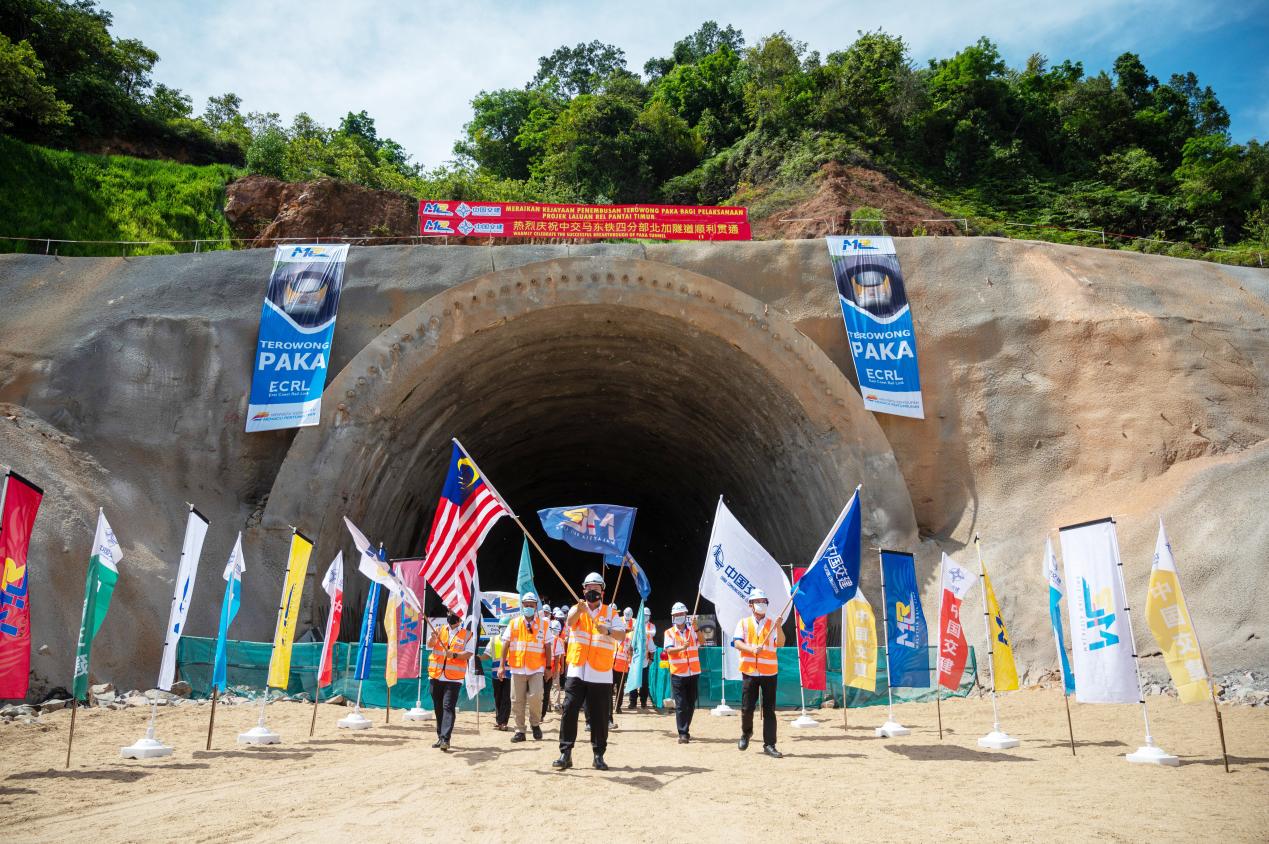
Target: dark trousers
546 697
618 695
502 701
684 690
596 698
750 687
641 693
444 702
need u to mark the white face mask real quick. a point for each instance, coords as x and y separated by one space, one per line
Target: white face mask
759 608
680 620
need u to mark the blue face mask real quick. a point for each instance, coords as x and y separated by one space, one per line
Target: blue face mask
528 611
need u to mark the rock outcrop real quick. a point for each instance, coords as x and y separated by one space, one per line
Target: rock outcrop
266 210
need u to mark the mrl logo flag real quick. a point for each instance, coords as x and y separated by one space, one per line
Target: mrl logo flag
833 577
289 611
599 528
878 323
1170 622
21 500
907 660
1101 645
296 327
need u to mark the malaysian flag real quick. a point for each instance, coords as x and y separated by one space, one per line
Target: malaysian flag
468 508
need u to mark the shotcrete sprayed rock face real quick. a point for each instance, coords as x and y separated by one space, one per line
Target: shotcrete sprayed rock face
655 389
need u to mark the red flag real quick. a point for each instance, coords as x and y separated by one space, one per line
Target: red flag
812 647
953 649
333 583
21 501
409 622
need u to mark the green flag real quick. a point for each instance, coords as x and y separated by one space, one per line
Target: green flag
103 573
524 579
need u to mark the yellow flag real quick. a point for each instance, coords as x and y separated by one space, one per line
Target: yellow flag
859 653
390 628
1169 621
289 611
1004 671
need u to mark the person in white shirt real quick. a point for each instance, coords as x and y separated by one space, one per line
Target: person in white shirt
594 632
525 646
452 648
758 639
683 650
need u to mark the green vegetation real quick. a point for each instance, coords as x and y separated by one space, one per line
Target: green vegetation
50 193
718 120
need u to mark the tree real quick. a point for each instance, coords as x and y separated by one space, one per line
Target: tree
705 41
581 69
708 94
867 88
491 137
23 92
778 92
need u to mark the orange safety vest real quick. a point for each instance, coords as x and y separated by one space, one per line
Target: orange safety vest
622 663
441 661
683 662
526 647
587 645
764 664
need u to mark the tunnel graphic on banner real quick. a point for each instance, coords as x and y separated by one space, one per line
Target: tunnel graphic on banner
296 327
878 323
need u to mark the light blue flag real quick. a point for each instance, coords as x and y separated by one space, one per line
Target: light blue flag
524 578
634 679
1055 614
228 609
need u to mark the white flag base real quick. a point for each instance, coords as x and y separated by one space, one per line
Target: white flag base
355 721
259 734
722 710
1151 755
418 713
145 748
998 740
804 720
891 729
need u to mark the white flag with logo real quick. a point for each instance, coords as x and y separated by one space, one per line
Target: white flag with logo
186 572
734 565
1101 644
472 680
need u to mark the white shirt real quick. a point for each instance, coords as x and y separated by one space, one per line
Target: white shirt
650 637
469 648
584 672
692 639
537 630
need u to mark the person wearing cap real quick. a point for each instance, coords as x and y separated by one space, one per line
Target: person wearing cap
452 647
525 642
757 637
640 695
683 649
555 655
594 632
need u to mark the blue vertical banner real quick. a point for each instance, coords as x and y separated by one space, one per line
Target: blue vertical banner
907 660
878 323
297 325
366 642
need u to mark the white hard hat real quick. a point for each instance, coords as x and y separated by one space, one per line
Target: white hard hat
556 627
529 596
627 612
595 578
679 608
647 611
757 595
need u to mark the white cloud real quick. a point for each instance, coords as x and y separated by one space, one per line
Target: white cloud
414 66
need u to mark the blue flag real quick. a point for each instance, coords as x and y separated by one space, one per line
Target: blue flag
634 677
600 528
1055 615
524 578
640 579
907 660
833 576
366 643
228 609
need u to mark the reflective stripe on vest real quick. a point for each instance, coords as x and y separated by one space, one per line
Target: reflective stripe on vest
526 648
621 664
686 661
452 666
587 645
764 663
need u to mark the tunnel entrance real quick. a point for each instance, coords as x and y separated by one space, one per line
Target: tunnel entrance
594 380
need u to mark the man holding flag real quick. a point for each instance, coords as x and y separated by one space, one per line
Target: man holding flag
683 648
758 638
594 633
452 647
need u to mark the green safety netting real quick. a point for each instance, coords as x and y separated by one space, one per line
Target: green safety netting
248 664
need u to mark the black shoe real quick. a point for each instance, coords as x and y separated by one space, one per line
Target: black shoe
743 744
564 762
436 743
770 750
444 745
682 739
537 733
600 764
518 737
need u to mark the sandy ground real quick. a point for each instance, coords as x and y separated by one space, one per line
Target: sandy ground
832 785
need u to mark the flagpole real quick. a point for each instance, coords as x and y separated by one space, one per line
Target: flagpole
1070 731
885 625
211 722
516 519
845 726
938 654
70 739
991 648
1211 684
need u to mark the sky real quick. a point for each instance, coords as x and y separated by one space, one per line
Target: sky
415 66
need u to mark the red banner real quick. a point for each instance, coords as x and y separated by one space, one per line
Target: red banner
21 502
953 649
531 219
812 647
409 623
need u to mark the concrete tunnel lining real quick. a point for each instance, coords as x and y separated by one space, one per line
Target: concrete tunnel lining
646 386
